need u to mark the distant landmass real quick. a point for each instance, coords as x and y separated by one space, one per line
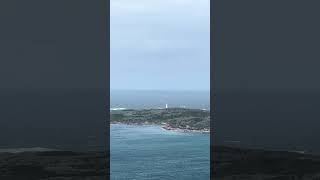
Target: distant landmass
171 118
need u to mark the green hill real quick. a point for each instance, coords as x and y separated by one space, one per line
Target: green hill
181 118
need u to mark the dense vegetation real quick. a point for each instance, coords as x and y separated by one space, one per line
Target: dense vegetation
191 119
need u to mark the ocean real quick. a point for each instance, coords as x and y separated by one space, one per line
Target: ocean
64 119
140 99
150 152
276 120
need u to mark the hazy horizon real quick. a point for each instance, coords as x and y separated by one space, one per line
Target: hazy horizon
140 99
164 90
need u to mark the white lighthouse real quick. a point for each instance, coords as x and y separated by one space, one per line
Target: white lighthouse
166 106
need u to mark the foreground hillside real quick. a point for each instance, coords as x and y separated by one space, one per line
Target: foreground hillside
53 165
172 118
231 163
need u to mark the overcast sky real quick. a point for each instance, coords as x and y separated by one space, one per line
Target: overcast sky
160 44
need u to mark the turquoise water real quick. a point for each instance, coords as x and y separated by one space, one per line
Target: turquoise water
150 153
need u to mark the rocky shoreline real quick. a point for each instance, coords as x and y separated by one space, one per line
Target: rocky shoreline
167 127
185 130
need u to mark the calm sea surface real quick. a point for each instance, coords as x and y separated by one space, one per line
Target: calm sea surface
150 152
158 99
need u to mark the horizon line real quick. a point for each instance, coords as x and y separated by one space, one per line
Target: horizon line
192 90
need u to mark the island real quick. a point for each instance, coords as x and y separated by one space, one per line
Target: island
179 119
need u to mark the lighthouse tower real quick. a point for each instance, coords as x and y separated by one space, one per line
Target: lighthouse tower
166 106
